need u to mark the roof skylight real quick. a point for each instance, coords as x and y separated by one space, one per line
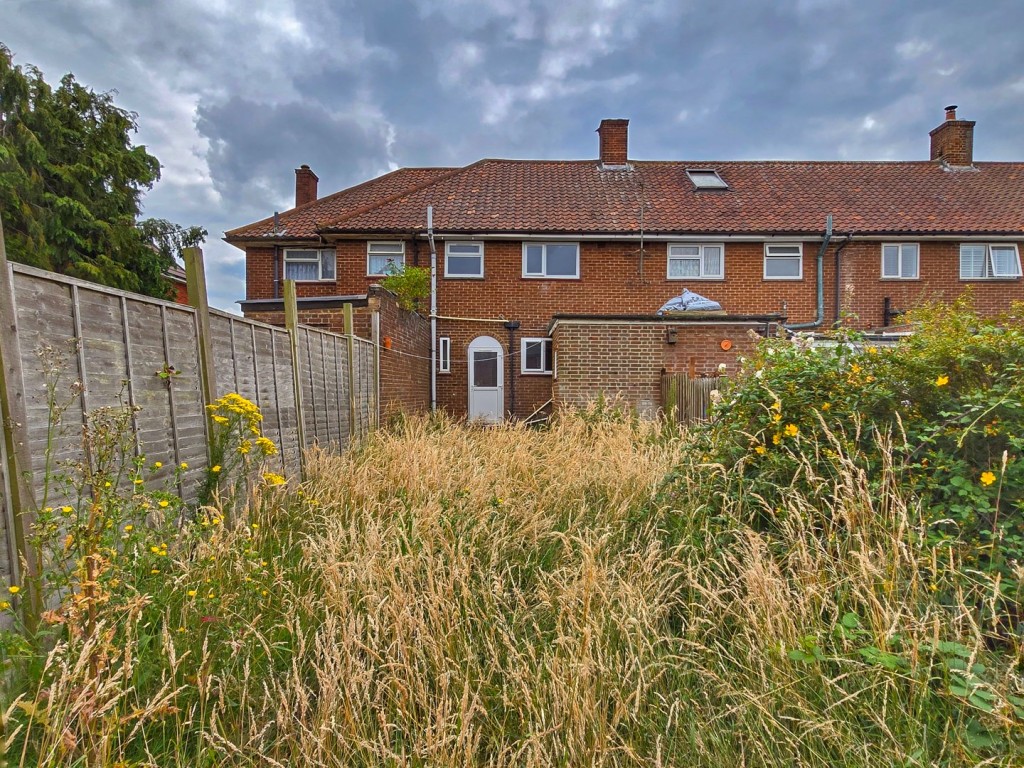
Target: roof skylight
706 178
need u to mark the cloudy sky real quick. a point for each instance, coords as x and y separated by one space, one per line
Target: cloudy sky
233 95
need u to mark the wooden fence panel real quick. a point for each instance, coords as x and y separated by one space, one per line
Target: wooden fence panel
108 348
685 399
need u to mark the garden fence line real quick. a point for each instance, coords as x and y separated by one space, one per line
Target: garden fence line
68 347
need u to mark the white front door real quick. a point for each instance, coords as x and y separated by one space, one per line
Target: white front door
486 393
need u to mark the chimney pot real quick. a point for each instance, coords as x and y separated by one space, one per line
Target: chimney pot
614 139
953 140
305 185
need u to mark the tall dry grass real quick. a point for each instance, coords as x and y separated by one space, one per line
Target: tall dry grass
450 595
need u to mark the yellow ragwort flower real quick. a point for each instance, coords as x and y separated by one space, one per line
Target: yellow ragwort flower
826 406
987 478
157 464
761 450
184 465
792 430
215 468
67 510
776 438
942 380
4 605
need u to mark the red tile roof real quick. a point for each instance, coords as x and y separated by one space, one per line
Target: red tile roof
306 221
769 197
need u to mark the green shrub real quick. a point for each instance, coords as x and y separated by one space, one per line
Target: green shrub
944 406
411 285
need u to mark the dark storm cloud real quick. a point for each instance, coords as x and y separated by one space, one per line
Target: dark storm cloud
233 95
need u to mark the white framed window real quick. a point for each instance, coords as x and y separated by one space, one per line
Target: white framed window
535 356
444 354
697 261
385 258
783 261
553 260
900 261
307 265
980 261
464 259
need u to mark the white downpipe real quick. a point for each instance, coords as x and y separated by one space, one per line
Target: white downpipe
433 309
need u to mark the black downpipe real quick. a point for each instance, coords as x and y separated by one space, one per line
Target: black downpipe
838 276
277 271
415 249
512 326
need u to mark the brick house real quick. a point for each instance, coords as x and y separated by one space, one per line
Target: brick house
550 273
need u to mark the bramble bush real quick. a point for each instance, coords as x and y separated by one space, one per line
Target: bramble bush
940 413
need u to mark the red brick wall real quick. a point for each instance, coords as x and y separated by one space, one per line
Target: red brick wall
953 141
627 359
611 283
404 367
404 357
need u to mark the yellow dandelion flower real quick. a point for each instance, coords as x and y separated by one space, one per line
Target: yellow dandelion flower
14 589
192 593
184 465
67 510
987 478
154 570
761 450
48 509
792 430
255 525
157 464
872 350
776 438
164 503
826 406
855 368
107 484
942 380
137 481
181 629
4 605
215 468
264 593
129 528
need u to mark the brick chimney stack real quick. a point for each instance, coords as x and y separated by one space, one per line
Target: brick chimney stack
614 136
953 141
305 185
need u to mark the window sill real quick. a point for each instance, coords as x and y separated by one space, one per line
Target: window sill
782 279
701 279
463 277
989 279
535 373
551 277
313 282
900 279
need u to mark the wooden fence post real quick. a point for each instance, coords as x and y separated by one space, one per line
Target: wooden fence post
21 505
195 275
375 337
291 322
350 334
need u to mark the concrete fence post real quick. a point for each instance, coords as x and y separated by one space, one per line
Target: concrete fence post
26 568
291 322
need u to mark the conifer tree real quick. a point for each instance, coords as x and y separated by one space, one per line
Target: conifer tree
71 184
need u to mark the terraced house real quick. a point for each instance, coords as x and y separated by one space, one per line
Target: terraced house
550 274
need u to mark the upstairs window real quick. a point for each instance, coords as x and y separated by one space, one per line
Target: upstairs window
783 261
306 265
536 356
900 261
384 258
555 260
989 262
696 262
464 260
